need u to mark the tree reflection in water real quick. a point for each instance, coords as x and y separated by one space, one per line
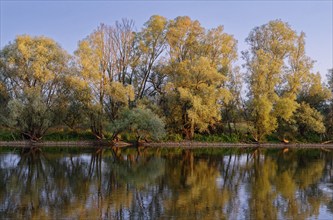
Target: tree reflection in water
153 183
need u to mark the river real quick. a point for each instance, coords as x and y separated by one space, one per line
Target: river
161 183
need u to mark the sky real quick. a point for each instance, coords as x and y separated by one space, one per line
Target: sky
67 22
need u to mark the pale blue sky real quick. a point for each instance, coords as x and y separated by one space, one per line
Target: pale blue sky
67 22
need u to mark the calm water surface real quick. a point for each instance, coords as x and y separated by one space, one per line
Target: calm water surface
167 184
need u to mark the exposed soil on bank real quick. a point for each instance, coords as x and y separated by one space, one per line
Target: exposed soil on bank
183 144
239 145
78 144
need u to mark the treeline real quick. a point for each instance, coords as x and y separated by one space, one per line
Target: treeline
172 75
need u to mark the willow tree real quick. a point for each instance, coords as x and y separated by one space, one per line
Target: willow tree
121 41
232 111
32 71
277 68
197 70
220 48
151 42
103 60
78 96
194 88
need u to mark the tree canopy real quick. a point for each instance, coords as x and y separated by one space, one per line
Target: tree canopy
279 77
171 74
32 75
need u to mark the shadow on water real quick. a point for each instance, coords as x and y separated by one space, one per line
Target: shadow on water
145 183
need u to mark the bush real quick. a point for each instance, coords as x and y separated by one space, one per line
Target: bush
143 123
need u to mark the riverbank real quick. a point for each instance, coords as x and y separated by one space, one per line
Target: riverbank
78 144
238 145
183 144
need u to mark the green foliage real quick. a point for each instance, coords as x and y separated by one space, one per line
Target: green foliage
179 70
7 135
309 120
127 136
174 137
193 85
62 135
51 135
280 79
142 122
273 138
32 72
270 46
102 73
151 44
310 137
197 70
232 111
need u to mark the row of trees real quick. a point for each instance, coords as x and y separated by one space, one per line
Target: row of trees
172 73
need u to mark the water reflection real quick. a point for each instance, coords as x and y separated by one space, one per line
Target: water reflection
174 184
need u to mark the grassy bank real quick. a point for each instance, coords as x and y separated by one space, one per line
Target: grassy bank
65 135
55 135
